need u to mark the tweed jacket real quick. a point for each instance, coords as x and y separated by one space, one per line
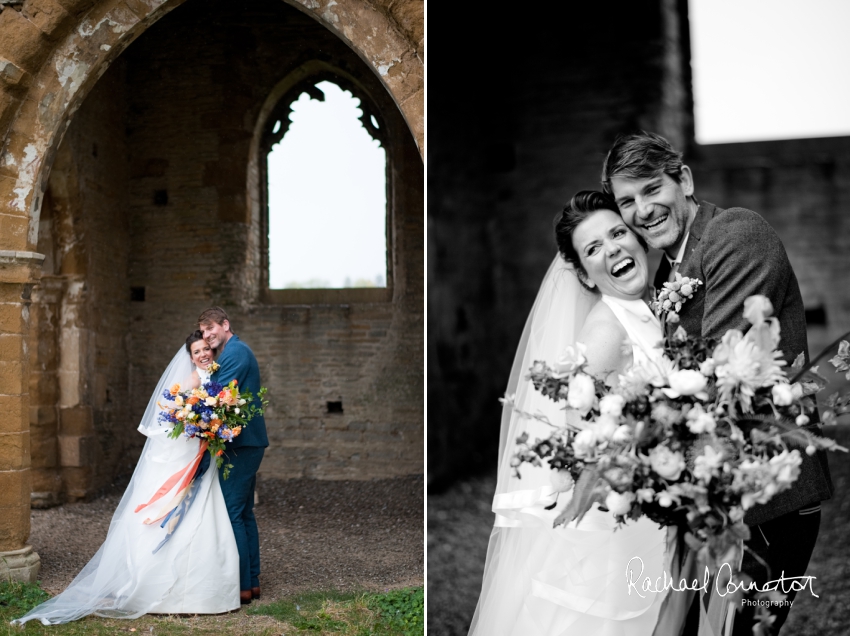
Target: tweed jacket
736 254
237 362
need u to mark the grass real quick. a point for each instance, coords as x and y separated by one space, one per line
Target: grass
400 612
395 612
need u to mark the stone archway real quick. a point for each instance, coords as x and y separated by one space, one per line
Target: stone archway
52 52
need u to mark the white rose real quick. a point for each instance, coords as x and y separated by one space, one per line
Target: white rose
622 435
562 480
619 503
645 494
584 444
687 382
582 393
605 426
612 405
665 500
242 402
236 410
668 464
802 420
570 360
783 394
757 308
699 421
707 367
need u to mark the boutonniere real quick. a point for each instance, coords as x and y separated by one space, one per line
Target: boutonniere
213 367
672 296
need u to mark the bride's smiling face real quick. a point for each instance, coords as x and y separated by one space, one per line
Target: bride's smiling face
611 255
201 353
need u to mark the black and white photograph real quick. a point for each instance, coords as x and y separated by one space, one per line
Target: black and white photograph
638 317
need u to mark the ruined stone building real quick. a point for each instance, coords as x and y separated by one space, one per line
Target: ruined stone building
133 143
529 128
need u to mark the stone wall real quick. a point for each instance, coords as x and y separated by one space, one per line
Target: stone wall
148 200
514 140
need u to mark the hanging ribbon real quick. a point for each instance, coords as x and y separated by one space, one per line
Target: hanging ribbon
187 473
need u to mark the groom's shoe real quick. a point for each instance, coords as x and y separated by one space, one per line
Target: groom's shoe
245 597
255 592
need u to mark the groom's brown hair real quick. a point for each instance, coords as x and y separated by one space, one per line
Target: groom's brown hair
213 314
643 155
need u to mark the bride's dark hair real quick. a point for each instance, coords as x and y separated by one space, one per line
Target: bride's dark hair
192 339
581 206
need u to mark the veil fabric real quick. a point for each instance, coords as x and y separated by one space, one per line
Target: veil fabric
196 571
545 581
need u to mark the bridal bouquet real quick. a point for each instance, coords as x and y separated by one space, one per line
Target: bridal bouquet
693 439
213 413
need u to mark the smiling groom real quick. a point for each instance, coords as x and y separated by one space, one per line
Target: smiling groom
736 254
245 452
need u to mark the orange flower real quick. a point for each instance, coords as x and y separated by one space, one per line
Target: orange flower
193 400
175 389
220 452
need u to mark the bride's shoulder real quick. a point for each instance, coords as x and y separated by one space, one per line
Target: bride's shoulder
603 336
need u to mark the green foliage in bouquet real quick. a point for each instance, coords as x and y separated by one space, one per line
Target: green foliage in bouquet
213 413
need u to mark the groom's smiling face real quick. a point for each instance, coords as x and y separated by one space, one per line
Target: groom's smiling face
215 334
657 208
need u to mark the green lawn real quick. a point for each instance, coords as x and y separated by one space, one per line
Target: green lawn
394 612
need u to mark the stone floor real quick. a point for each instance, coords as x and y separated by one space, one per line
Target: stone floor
314 535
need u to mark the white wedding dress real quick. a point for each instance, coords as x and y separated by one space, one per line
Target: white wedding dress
137 571
572 580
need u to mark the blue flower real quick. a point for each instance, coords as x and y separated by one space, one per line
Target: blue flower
213 388
190 429
167 395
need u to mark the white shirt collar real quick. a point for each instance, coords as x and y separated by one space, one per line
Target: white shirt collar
681 253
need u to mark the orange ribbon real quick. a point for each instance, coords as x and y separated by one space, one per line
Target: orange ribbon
188 471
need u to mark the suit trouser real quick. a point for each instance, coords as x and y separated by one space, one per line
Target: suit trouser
238 490
785 544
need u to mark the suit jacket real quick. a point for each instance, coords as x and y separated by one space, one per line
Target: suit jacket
736 254
237 362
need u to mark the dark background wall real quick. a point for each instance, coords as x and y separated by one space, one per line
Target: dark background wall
508 145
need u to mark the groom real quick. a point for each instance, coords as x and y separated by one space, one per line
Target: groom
736 254
245 452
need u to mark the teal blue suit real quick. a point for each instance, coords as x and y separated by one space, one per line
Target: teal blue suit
245 452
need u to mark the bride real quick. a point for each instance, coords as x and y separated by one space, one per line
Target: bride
187 564
540 580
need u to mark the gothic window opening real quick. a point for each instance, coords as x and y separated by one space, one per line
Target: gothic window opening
326 189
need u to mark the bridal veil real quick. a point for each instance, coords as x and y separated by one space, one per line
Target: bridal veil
545 581
195 571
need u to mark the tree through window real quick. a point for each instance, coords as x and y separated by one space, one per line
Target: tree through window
326 177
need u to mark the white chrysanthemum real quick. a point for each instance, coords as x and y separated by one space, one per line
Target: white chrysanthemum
743 367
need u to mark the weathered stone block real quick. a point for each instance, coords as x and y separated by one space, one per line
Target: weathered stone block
22 42
77 482
13 229
48 16
11 377
9 105
15 451
44 451
75 451
15 525
13 418
46 480
20 565
76 7
76 421
11 346
15 487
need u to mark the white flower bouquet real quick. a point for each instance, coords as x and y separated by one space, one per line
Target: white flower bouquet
693 440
